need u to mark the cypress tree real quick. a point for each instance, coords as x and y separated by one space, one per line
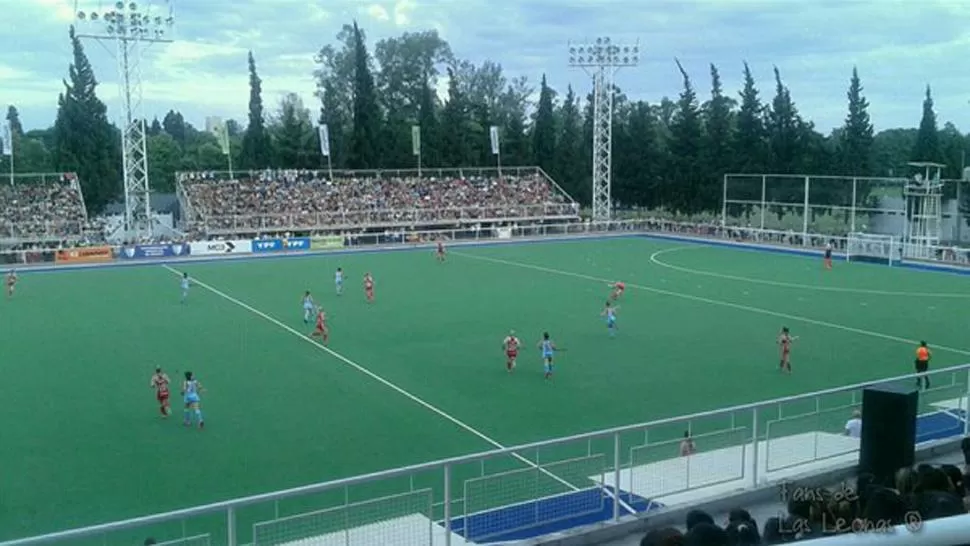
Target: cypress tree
85 142
364 147
256 145
544 130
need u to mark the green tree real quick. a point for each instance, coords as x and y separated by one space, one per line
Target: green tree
855 145
569 163
293 137
751 136
784 129
174 124
85 142
430 131
365 148
544 128
257 149
155 128
927 147
13 117
455 149
335 89
686 145
718 141
166 160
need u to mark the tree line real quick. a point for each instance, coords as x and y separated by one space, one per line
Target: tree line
671 153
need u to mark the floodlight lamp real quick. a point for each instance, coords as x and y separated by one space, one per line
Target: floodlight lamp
599 40
81 15
635 49
572 50
119 5
606 40
636 59
158 21
133 6
111 30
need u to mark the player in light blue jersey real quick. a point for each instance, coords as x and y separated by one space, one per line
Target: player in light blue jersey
548 349
185 286
309 308
610 313
338 280
191 392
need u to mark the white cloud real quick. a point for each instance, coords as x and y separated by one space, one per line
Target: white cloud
378 12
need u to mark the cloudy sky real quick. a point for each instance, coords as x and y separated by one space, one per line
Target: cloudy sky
899 46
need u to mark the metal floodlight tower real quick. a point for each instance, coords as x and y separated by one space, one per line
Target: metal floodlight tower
132 28
601 59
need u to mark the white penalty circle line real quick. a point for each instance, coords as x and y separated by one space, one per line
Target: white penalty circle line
766 282
709 301
392 386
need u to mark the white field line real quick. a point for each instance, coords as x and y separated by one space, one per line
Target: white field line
654 258
427 405
710 301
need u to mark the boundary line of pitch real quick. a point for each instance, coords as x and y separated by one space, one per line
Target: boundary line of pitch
419 401
709 301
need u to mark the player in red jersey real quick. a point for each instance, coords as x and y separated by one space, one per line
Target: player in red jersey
160 383
11 282
618 289
321 329
440 252
785 341
369 287
511 346
827 259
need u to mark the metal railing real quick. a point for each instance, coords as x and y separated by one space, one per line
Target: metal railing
487 494
949 256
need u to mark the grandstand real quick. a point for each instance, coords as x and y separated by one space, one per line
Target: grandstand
265 202
42 208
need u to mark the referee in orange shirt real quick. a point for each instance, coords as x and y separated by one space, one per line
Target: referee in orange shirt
923 356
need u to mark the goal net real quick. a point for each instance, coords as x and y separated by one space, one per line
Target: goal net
872 248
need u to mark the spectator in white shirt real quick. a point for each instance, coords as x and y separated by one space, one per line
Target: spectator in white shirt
853 427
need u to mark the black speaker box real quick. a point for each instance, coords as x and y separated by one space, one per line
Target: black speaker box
888 432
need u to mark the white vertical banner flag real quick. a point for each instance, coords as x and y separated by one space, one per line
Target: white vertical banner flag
416 140
217 127
6 138
324 132
493 136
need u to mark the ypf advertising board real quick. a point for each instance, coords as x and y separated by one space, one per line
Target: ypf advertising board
215 248
278 245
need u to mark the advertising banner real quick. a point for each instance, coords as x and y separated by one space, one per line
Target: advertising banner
138 252
92 254
267 245
209 248
326 243
298 243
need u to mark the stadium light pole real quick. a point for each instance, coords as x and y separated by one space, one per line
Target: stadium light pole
601 59
132 28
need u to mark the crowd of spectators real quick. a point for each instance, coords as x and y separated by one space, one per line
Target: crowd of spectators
41 210
919 494
306 200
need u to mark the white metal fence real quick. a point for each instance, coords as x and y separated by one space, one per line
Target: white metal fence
493 494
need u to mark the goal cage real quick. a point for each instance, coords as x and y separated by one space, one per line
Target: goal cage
873 248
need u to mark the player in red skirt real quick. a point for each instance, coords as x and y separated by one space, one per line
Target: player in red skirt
618 289
511 346
440 251
827 259
321 330
160 383
369 287
11 282
785 341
